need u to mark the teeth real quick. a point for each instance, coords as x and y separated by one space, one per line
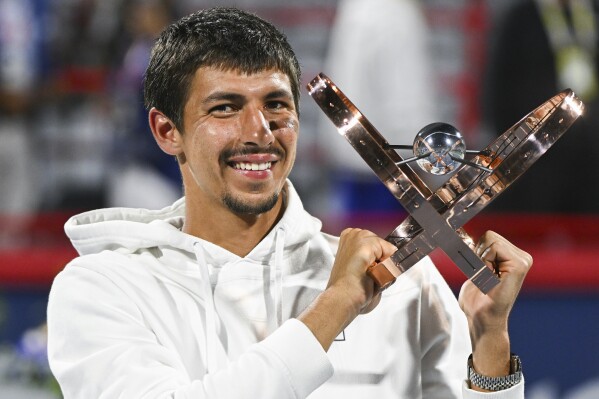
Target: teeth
252 166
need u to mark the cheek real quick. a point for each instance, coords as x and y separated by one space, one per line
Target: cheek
288 133
288 139
202 162
291 123
208 142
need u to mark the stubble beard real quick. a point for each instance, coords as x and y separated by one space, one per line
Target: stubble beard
241 207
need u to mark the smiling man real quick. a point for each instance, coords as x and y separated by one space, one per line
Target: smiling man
233 291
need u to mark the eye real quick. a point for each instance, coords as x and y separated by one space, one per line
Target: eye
223 110
276 105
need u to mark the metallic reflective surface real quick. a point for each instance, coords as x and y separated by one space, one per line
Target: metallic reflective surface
436 218
442 145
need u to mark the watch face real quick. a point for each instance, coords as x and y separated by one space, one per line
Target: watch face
515 364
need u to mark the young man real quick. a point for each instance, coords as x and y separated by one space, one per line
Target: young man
233 291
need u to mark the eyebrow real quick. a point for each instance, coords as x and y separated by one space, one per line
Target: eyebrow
223 95
278 94
235 97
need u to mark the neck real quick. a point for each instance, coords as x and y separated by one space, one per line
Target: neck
219 225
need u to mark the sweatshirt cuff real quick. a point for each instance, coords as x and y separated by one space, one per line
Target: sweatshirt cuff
306 361
515 392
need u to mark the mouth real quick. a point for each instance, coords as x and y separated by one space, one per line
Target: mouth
252 166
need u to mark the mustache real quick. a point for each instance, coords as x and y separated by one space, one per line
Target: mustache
233 152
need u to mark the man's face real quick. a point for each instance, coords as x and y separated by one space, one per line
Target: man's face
239 138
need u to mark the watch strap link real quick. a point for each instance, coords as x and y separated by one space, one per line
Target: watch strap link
497 383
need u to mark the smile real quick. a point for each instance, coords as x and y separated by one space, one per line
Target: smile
252 166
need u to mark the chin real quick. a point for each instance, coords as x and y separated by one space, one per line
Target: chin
250 207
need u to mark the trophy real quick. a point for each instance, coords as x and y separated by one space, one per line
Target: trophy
436 218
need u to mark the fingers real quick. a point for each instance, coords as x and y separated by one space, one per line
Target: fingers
501 255
373 303
358 249
490 312
368 246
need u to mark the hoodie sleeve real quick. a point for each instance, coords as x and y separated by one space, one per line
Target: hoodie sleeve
445 345
515 392
99 347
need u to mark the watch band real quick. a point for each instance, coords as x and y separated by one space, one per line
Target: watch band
496 383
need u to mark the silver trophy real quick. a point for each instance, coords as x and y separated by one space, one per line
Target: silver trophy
436 218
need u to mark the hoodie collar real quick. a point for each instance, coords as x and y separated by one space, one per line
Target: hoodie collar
132 229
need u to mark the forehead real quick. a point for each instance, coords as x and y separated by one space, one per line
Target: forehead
208 80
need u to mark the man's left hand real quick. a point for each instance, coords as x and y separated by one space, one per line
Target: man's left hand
488 314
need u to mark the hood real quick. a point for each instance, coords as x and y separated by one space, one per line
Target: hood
130 229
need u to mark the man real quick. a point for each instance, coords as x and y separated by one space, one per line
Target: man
233 291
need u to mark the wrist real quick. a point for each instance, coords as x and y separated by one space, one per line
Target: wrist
349 300
482 327
490 355
329 314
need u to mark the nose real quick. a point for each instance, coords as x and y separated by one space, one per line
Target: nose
256 129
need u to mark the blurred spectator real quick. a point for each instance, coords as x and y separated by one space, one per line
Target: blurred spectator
540 48
379 57
19 74
144 176
74 123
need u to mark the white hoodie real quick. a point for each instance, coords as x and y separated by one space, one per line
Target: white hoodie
148 311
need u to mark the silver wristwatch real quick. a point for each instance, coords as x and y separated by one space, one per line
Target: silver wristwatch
497 383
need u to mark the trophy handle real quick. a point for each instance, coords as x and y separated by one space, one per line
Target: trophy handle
383 273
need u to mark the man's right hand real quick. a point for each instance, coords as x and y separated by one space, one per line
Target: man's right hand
350 291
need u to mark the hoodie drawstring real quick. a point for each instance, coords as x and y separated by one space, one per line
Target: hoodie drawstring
212 343
213 359
278 275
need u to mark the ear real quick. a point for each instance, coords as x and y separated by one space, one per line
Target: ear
165 132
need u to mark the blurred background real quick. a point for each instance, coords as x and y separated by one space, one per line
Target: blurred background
74 137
